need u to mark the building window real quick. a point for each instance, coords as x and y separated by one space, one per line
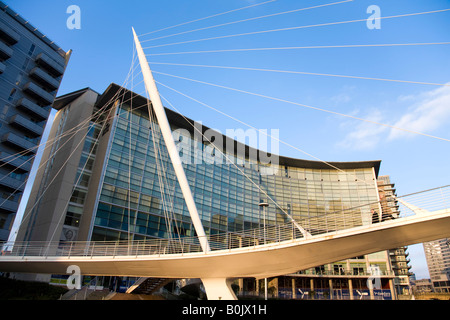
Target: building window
32 48
11 94
25 64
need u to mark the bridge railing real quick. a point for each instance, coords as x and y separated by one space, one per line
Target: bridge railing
431 200
428 201
225 241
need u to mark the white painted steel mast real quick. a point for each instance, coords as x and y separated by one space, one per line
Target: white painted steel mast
169 141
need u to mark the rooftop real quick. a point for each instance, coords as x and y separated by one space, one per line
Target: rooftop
185 123
30 27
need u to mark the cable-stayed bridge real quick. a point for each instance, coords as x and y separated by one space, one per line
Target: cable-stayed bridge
265 252
301 243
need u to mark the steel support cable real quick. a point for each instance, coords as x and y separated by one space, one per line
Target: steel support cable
254 69
75 185
265 133
208 17
306 106
297 28
50 142
249 19
162 176
303 47
63 213
81 125
25 216
300 72
300 228
261 131
52 155
90 153
73 130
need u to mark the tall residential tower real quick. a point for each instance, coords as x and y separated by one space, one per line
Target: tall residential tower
31 70
437 254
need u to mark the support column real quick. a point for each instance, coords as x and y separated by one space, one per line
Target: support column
241 285
257 286
275 283
330 284
350 288
390 272
393 292
294 291
218 289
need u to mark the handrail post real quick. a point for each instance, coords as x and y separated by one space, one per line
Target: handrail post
70 249
443 198
92 250
23 251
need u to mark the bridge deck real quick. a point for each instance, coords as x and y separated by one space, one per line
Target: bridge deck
259 260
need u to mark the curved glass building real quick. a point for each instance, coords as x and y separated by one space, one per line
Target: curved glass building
123 185
106 175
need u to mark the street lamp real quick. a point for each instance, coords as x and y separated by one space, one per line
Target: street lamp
264 206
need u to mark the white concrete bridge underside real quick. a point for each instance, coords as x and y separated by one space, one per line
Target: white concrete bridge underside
216 268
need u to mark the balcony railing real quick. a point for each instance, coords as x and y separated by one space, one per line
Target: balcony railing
29 126
8 35
5 51
8 205
12 183
49 64
44 78
19 142
38 93
30 107
15 161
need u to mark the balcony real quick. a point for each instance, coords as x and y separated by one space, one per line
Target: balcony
36 111
8 205
27 125
12 183
44 78
17 142
38 93
5 51
49 64
8 35
15 161
2 67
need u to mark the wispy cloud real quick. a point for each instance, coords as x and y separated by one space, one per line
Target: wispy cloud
430 113
345 96
364 135
427 113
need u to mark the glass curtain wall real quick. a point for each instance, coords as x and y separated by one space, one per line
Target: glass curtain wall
140 197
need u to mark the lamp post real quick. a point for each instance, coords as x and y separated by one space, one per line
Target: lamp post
264 206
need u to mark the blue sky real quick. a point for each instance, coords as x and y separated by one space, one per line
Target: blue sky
103 51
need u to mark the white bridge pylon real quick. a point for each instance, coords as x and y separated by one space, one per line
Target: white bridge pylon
163 122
